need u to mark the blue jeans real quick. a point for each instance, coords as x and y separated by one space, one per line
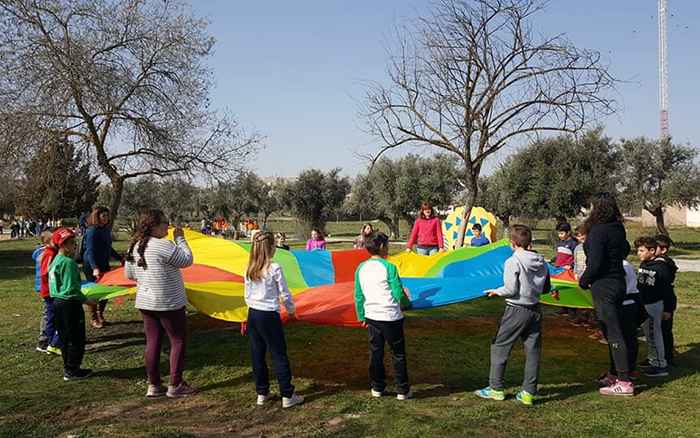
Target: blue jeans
427 250
48 335
265 332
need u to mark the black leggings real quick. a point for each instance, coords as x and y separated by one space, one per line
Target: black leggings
608 295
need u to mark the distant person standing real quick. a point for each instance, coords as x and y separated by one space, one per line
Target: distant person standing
478 239
428 230
2 223
364 232
97 247
82 224
317 241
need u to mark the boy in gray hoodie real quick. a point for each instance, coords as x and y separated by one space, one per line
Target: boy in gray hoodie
525 278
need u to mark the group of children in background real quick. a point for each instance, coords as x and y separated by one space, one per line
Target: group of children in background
571 256
653 281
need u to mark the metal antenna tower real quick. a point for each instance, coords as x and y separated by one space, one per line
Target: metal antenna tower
663 77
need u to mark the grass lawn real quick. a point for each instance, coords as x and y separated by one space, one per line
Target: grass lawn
448 359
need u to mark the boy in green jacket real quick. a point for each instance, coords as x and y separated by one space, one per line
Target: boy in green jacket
379 297
69 316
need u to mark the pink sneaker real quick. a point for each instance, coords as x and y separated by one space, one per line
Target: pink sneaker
625 389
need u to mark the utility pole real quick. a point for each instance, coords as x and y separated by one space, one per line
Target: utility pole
663 76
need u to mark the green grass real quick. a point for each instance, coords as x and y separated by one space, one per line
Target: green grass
448 359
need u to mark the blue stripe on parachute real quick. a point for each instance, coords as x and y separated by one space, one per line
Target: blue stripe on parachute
460 281
316 267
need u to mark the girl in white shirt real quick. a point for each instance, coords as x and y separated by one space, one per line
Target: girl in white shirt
264 286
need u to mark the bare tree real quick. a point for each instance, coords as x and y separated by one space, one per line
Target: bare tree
471 77
125 79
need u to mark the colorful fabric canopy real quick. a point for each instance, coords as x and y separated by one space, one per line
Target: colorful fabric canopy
322 282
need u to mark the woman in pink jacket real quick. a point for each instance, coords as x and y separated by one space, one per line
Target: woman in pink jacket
428 230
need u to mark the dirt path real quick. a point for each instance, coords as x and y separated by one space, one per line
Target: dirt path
687 265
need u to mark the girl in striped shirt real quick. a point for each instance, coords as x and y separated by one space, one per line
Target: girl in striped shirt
154 263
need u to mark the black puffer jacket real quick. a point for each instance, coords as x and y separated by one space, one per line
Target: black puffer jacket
606 246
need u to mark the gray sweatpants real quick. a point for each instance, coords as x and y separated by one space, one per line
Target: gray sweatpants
517 322
655 338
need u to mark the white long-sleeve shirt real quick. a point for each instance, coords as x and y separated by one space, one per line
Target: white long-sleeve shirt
265 294
159 286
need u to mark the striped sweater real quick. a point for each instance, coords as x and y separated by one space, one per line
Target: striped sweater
159 286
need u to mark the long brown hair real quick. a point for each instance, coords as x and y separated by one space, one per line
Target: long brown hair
148 221
362 231
94 219
260 255
426 206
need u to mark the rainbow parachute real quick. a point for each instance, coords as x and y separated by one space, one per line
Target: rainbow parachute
322 282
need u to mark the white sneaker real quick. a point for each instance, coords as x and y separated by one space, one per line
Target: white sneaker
376 393
288 402
406 396
156 390
262 399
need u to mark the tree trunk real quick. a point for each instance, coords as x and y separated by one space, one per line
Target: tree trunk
506 224
660 224
471 200
410 220
393 227
117 190
265 217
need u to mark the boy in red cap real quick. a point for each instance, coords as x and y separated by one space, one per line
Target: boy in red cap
69 316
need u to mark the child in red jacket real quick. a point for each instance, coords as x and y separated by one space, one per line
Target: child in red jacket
48 336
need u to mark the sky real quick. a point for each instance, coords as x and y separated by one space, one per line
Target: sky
294 71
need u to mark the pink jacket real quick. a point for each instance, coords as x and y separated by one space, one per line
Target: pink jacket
313 244
428 231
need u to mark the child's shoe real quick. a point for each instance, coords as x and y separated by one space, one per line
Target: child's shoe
406 396
644 365
156 390
562 312
633 375
41 348
603 341
54 350
624 389
606 379
288 402
181 390
376 393
596 335
490 393
524 397
80 374
262 399
657 372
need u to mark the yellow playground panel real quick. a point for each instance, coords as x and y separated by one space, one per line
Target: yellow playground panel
450 226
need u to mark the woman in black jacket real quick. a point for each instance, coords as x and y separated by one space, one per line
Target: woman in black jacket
606 246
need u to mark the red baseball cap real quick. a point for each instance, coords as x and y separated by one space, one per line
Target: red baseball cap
61 235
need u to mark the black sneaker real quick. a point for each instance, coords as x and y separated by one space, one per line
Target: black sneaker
644 365
41 348
77 375
657 372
